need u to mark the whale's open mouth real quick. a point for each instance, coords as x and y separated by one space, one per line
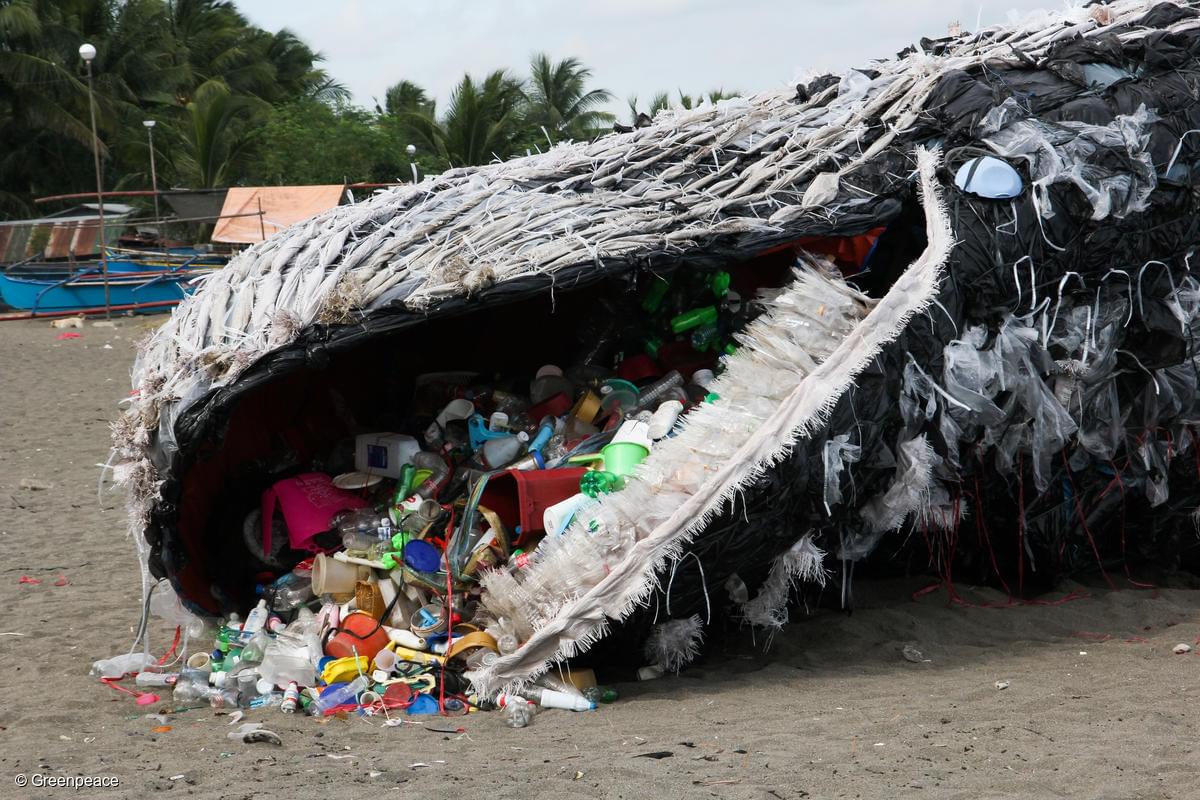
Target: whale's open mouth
809 333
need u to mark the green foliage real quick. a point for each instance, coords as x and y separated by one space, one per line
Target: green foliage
155 59
559 102
662 101
482 122
235 104
312 142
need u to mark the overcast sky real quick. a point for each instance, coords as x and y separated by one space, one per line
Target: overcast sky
633 46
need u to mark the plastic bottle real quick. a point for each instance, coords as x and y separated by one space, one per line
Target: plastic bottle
429 488
738 593
148 679
549 698
291 698
256 648
305 626
501 452
269 700
346 693
600 694
653 394
694 319
256 620
544 433
664 419
518 712
427 512
222 698
117 666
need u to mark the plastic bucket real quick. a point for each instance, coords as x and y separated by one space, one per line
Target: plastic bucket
360 635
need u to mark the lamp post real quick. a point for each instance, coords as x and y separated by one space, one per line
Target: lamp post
412 151
88 52
149 123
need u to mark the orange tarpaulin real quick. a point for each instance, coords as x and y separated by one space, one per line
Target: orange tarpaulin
281 206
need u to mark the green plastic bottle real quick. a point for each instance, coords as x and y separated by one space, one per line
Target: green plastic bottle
720 284
654 296
706 315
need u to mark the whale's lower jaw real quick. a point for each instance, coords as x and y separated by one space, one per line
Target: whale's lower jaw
794 364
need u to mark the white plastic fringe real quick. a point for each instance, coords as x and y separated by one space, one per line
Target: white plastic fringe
723 447
802 563
673 644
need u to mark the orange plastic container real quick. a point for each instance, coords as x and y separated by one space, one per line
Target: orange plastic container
360 634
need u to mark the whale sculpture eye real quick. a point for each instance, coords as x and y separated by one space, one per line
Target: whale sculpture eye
990 178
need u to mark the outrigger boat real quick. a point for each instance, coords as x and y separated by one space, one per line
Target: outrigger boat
83 293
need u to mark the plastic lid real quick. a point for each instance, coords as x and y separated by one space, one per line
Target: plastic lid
548 370
422 556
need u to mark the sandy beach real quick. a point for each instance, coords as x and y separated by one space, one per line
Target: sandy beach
1096 704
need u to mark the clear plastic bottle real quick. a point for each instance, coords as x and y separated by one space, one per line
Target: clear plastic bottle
518 712
256 648
652 394
290 591
738 592
346 693
269 700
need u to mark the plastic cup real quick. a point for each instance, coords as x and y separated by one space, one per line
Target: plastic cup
330 576
621 458
385 660
200 661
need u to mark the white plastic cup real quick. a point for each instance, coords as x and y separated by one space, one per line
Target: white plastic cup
200 661
385 661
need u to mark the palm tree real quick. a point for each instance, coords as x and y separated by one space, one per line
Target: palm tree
639 118
559 103
407 97
215 138
713 96
482 122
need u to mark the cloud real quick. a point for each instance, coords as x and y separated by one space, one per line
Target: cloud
633 46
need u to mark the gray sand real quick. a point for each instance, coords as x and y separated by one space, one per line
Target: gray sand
1097 706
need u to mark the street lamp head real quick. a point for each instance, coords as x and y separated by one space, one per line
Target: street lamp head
411 150
87 52
149 123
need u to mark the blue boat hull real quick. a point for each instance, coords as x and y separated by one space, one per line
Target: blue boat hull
130 292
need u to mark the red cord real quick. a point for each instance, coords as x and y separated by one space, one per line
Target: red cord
1083 521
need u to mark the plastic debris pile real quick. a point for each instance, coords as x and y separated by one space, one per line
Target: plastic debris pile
370 596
